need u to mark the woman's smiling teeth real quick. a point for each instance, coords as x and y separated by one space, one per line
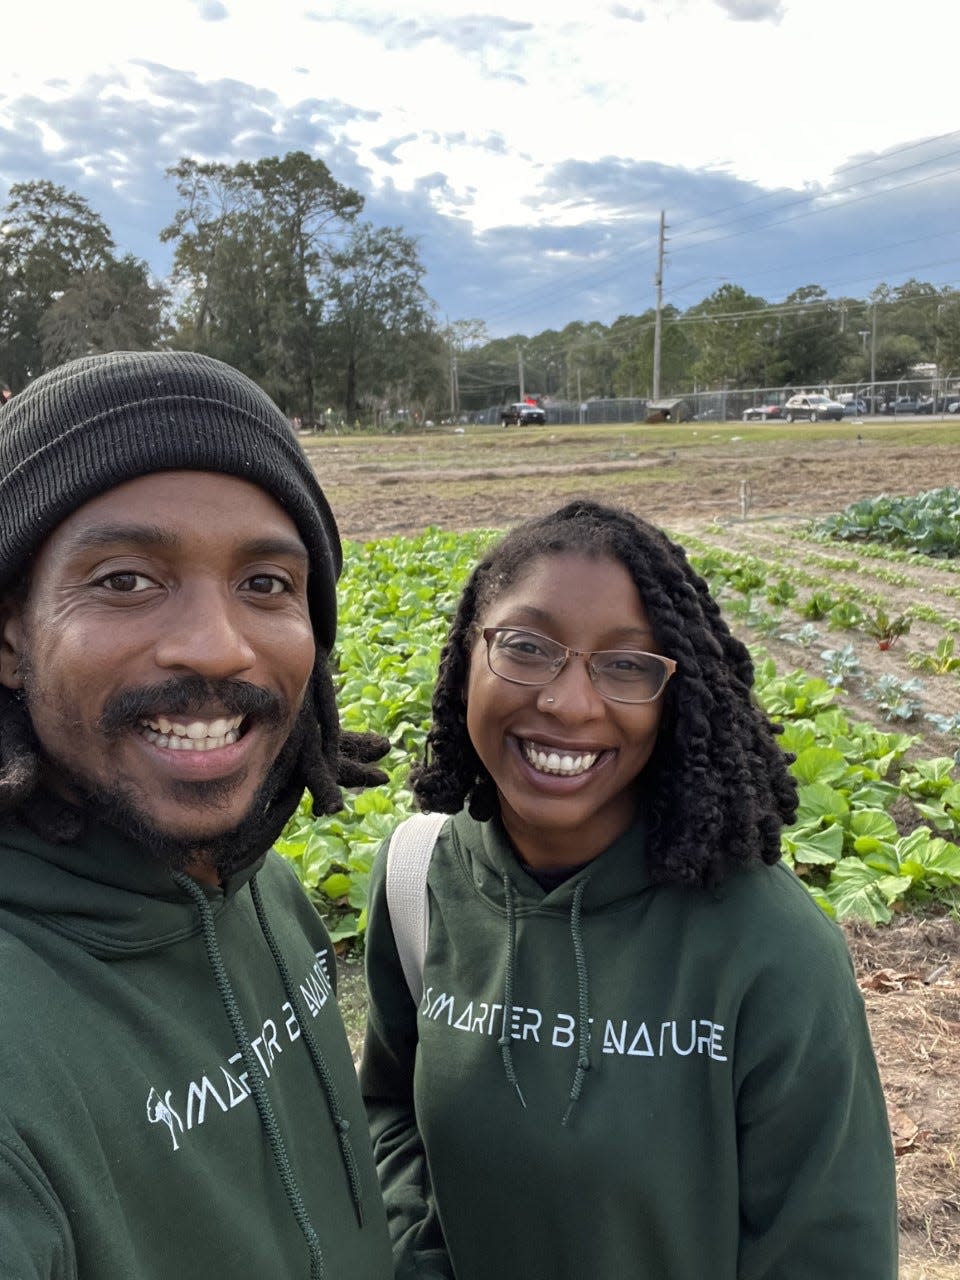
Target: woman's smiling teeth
563 763
198 735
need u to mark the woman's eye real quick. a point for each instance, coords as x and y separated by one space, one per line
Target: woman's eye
267 584
630 665
126 582
521 644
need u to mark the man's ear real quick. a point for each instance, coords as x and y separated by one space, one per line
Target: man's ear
11 643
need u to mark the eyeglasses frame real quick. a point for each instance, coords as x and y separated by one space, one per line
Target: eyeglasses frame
587 654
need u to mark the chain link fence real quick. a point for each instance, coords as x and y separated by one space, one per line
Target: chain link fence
860 399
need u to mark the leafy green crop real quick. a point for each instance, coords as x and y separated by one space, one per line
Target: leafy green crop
397 598
928 522
939 663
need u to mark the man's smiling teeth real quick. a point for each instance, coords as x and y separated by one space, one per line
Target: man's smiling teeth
563 763
198 735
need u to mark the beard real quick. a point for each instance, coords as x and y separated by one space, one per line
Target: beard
227 852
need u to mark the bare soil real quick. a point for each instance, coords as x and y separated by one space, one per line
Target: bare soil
736 488
380 487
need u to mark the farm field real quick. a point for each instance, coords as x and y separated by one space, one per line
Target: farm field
740 498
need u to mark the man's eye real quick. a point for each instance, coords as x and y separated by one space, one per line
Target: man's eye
267 584
126 582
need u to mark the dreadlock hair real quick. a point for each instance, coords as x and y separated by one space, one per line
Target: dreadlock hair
100 421
716 790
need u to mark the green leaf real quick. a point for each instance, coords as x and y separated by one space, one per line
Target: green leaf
818 764
872 823
349 927
817 800
817 847
373 801
854 891
336 886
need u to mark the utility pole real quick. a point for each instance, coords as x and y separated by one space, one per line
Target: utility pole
658 320
873 348
454 389
520 370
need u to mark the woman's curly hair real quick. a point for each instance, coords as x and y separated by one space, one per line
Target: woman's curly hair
716 790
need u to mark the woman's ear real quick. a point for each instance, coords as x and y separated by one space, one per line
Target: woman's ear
11 643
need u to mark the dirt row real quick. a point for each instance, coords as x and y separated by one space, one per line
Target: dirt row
743 494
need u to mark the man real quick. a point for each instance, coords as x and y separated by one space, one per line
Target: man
177 1097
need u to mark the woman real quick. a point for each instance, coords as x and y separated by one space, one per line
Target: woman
640 1051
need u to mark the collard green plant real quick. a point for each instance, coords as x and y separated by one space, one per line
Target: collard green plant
841 665
804 637
397 597
896 699
928 522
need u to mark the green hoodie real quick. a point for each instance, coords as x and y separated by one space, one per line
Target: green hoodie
725 1119
131 1145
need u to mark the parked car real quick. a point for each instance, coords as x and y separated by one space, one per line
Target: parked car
761 412
522 414
816 408
910 404
854 408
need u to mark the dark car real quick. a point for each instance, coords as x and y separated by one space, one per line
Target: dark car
761 412
523 414
814 408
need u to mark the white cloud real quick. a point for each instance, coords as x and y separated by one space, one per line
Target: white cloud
549 136
753 10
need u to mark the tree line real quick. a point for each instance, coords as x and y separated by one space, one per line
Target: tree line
731 339
275 271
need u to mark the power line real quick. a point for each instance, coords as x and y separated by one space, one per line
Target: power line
592 279
770 195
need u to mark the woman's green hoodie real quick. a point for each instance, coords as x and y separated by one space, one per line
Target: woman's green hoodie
133 1145
618 1080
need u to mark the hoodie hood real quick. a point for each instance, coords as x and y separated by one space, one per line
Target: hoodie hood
613 878
102 891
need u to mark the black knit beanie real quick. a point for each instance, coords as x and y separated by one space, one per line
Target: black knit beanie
99 421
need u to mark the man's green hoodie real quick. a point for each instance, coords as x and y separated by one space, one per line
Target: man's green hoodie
617 1080
133 1142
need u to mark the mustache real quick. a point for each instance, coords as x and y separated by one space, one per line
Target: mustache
191 695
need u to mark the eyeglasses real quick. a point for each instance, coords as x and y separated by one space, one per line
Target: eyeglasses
622 675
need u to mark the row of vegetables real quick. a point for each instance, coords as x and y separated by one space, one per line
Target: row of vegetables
877 821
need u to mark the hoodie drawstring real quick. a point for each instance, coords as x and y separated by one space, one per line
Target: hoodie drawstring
583 994
252 1067
583 1003
505 1047
340 1122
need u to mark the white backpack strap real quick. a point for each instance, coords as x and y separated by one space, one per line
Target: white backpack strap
408 861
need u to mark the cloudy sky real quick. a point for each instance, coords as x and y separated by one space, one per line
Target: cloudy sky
530 147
